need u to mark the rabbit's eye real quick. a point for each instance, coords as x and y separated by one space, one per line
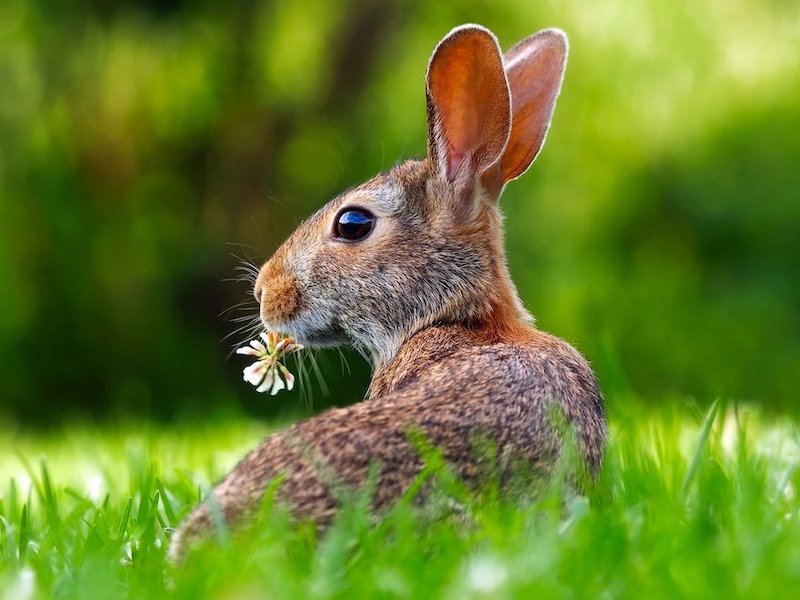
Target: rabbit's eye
354 224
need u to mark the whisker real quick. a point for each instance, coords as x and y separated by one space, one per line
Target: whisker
254 321
239 279
243 315
240 306
243 259
246 265
244 334
362 352
240 245
245 275
343 362
248 268
249 317
318 373
306 389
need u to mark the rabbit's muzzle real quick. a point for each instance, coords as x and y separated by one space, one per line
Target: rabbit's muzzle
277 292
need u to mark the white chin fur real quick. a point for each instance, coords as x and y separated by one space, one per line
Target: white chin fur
309 332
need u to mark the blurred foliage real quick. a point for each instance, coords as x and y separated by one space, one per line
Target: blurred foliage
143 143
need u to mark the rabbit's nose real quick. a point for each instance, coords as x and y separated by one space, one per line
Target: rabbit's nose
266 273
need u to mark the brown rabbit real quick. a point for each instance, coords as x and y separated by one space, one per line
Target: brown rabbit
410 267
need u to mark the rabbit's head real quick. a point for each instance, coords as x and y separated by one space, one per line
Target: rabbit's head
422 243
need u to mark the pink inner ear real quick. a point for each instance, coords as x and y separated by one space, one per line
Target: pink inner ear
456 158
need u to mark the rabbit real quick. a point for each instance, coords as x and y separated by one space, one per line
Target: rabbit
410 268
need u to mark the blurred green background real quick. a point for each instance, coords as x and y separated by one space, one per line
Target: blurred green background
142 143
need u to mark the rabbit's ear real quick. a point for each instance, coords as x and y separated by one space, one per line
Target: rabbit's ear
469 107
535 69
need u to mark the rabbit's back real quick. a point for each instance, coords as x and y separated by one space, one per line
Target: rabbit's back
457 395
518 391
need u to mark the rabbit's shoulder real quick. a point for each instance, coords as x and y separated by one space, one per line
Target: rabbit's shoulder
453 360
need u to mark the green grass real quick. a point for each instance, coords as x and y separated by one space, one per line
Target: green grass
688 505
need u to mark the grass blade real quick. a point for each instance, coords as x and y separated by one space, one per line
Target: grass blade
24 533
123 523
711 416
167 504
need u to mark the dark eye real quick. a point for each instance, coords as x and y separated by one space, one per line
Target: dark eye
354 224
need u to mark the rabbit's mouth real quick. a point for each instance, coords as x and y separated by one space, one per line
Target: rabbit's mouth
310 332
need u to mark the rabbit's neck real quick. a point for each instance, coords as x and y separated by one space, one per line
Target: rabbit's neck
432 344
495 315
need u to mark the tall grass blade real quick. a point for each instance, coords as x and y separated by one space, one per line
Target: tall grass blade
24 533
711 416
169 511
123 522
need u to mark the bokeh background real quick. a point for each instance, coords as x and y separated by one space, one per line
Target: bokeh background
145 145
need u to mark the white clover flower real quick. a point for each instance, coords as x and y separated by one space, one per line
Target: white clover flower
267 373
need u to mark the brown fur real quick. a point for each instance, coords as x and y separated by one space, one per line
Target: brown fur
278 292
428 296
